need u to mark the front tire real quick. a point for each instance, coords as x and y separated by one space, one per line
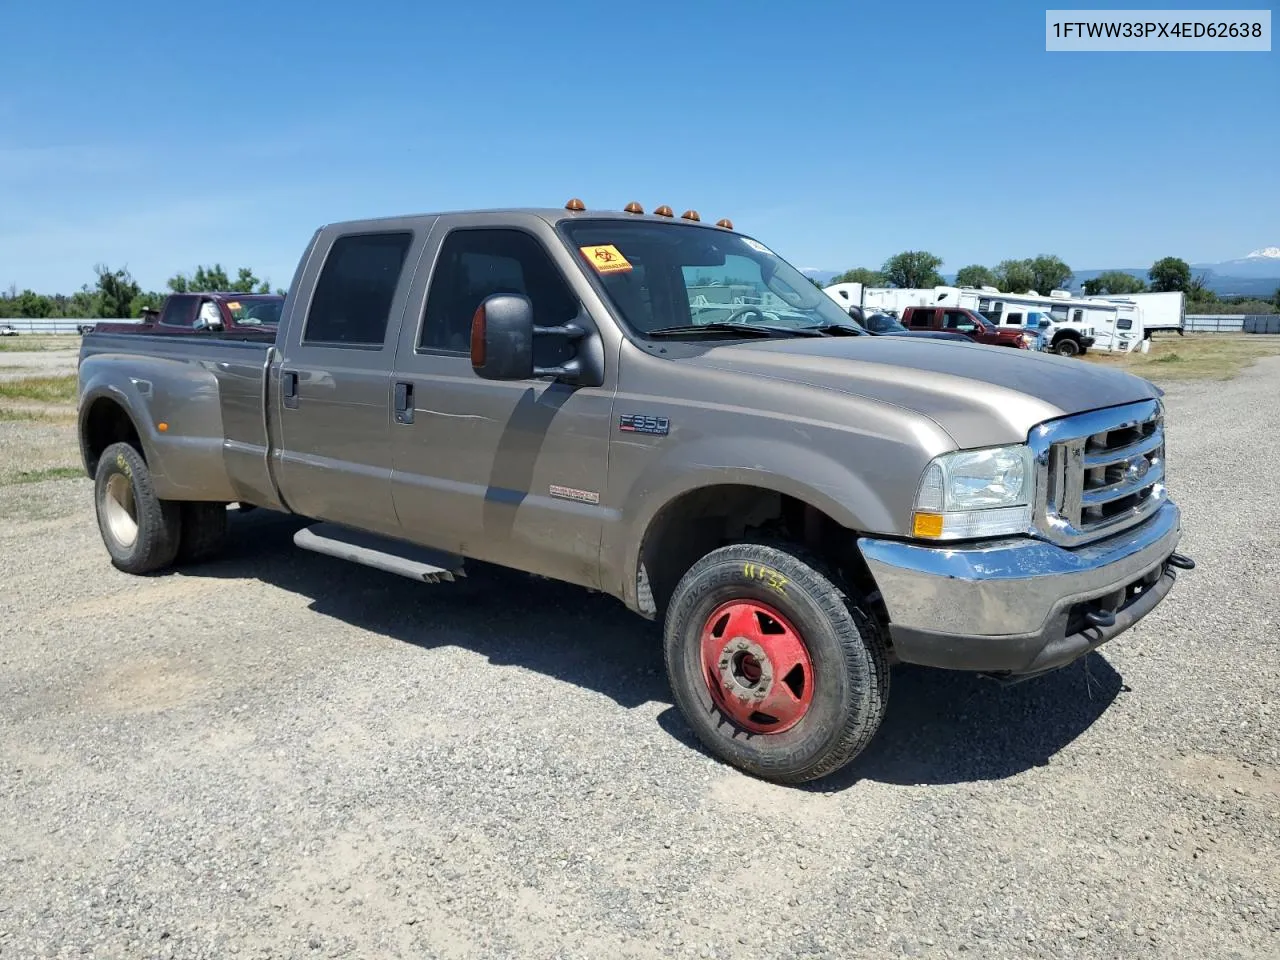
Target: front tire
1067 347
773 668
140 531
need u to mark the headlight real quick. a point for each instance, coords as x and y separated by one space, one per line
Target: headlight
975 493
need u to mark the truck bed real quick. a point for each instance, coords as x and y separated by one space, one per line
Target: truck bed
206 431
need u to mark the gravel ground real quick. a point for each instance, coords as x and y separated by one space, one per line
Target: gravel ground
280 755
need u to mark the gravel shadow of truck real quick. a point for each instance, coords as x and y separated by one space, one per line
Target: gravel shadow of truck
942 727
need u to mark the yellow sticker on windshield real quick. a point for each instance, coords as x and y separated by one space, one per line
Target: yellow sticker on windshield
606 258
233 305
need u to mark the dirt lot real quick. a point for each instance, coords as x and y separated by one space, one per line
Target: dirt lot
280 755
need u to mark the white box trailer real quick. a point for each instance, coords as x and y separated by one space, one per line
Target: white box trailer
1165 311
892 300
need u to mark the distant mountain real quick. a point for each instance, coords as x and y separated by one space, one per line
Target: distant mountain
822 276
1260 263
1258 274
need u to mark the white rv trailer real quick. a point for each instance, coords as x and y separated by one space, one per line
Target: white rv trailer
1160 311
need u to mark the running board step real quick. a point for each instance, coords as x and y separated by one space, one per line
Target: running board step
382 553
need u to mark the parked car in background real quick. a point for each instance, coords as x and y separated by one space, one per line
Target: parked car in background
8 330
884 325
968 323
244 316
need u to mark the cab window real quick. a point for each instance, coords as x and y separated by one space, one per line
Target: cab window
474 264
353 296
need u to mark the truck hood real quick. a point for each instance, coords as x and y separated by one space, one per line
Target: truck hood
980 395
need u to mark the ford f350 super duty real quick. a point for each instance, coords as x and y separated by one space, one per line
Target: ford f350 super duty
664 410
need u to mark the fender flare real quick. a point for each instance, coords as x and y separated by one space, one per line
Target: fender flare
831 487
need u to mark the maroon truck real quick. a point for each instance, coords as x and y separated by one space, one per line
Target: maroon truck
243 316
973 325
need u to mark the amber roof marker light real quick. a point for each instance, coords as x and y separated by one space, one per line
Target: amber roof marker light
725 223
575 205
691 215
633 207
664 211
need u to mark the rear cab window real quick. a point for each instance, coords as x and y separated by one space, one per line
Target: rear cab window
180 310
351 304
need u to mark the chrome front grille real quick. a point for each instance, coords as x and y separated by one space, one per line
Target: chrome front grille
1099 473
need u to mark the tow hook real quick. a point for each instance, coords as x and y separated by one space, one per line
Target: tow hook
1101 618
1181 562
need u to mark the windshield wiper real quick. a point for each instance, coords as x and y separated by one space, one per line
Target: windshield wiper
736 329
841 330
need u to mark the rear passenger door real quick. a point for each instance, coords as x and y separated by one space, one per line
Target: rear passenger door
922 318
335 376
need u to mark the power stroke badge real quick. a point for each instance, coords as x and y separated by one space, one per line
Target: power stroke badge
643 423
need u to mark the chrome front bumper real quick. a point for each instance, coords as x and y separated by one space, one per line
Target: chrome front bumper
1020 606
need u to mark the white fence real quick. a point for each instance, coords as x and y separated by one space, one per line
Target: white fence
1232 323
52 324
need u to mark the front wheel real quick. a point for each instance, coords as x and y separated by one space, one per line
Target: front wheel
777 673
1067 347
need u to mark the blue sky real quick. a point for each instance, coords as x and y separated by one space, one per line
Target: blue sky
160 136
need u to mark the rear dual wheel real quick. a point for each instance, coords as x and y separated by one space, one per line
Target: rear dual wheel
143 533
775 670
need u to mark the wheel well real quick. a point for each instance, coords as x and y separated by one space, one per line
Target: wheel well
107 423
1065 335
697 522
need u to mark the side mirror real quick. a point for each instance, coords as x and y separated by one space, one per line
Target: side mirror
502 335
1044 324
502 338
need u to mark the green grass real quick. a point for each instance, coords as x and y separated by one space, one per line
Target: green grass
1196 356
39 476
40 389
39 342
31 415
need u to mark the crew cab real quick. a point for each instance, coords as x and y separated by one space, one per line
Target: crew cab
968 323
798 504
251 316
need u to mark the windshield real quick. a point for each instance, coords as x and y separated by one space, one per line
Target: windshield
883 323
660 275
256 311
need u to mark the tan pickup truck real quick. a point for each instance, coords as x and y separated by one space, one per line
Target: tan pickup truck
664 410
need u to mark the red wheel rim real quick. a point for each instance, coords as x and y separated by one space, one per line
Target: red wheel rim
756 666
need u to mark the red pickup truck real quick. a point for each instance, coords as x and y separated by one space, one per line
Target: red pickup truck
973 325
244 316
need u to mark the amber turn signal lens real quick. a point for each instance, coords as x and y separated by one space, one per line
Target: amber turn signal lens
633 207
690 215
575 204
162 426
726 223
926 525
477 337
664 211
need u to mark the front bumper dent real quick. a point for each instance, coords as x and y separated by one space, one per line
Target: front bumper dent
1020 607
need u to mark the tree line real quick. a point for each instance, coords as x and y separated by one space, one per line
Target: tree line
919 269
116 294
